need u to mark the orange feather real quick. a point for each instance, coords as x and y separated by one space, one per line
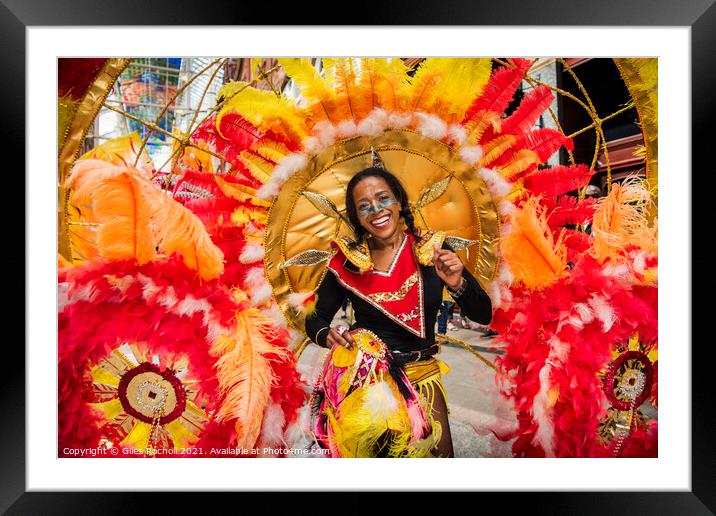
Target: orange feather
135 218
244 374
620 220
531 252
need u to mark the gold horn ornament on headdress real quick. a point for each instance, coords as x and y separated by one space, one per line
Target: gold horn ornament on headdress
376 161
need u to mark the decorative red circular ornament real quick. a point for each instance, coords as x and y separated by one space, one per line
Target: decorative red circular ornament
628 380
147 392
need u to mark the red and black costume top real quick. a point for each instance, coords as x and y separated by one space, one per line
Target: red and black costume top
399 305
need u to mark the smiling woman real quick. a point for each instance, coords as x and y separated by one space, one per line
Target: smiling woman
396 297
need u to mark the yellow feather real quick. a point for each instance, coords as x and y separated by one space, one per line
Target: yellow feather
392 85
362 90
264 110
368 81
111 409
447 86
532 254
258 166
314 88
243 214
522 159
138 436
272 150
462 81
496 148
122 151
477 126
180 435
423 90
316 91
235 190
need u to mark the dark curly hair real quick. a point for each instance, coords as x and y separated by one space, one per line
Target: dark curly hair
398 191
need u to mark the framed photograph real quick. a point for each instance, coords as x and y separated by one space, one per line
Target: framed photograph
671 476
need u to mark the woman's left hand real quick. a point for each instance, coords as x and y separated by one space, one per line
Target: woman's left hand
448 267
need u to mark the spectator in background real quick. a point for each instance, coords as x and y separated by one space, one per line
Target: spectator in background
445 312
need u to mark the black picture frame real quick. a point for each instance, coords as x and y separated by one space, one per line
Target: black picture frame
699 15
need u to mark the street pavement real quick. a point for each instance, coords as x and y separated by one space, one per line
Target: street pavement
476 407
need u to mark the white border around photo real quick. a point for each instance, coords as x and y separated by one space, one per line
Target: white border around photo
670 471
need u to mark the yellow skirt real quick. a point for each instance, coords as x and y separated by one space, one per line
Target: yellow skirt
426 376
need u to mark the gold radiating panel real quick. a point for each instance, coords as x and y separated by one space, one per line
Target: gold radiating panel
295 224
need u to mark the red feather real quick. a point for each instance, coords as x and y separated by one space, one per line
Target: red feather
198 179
577 242
500 89
211 210
569 210
239 131
208 133
558 180
544 142
532 106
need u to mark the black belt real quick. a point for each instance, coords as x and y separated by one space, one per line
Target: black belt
403 357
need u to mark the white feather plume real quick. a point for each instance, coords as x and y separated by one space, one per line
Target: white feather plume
559 348
506 208
471 154
325 132
298 431
584 312
261 295
541 412
397 120
272 425
496 183
504 273
288 166
380 401
251 253
374 124
274 313
603 311
296 299
255 277
431 126
457 134
346 129
269 190
493 290
311 145
190 305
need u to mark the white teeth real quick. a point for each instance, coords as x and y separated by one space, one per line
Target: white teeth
382 221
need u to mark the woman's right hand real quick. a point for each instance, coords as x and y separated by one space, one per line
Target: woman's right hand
339 335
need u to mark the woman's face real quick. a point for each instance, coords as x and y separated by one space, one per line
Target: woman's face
378 209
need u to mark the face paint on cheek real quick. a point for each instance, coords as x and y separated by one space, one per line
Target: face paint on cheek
382 205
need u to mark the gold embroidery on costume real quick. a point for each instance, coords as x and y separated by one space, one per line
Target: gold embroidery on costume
399 294
357 254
